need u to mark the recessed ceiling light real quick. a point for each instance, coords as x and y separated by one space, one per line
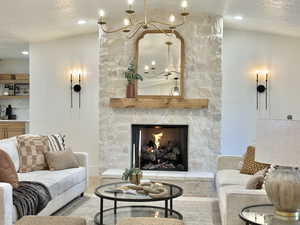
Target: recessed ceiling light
238 18
81 22
25 52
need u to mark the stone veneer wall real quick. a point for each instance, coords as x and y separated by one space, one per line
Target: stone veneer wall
203 79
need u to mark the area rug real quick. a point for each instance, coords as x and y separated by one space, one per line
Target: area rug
196 211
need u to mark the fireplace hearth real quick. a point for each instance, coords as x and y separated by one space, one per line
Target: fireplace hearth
160 147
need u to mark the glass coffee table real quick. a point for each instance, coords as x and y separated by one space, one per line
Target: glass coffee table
112 215
264 215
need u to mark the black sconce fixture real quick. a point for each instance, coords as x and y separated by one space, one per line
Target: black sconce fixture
76 88
262 88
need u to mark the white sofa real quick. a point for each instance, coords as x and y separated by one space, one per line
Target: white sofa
232 193
64 185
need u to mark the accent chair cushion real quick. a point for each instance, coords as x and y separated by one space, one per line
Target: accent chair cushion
8 172
31 152
150 221
250 166
61 160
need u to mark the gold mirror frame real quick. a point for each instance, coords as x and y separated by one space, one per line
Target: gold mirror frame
182 66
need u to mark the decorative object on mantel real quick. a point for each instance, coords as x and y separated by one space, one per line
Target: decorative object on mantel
278 143
132 76
131 24
262 88
134 175
159 103
76 87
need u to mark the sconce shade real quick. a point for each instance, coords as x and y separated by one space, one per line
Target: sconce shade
278 142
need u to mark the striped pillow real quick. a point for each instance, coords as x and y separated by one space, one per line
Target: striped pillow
56 143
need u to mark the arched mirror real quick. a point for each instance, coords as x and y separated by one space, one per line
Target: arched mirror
160 60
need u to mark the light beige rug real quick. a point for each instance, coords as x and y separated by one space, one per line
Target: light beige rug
196 211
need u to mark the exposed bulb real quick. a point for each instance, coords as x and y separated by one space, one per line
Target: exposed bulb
172 18
130 2
153 63
101 13
146 69
126 22
184 4
167 70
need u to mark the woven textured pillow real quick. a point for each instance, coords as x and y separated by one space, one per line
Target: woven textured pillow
56 143
8 172
249 165
31 152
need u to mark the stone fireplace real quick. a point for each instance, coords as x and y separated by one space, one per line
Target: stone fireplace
160 147
203 79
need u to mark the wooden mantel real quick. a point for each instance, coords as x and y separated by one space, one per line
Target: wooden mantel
159 103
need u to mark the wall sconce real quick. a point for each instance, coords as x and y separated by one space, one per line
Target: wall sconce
76 87
262 88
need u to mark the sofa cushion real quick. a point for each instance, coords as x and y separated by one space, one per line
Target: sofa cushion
61 160
231 177
10 147
58 181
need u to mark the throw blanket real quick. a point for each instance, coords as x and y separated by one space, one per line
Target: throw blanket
30 198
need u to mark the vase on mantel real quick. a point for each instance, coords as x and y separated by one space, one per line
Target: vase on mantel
130 91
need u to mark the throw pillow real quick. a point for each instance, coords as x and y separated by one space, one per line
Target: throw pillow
61 160
255 182
56 143
8 172
250 166
31 152
10 147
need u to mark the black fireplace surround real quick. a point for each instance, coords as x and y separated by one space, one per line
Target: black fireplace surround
160 147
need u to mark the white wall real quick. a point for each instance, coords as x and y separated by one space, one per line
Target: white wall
12 66
243 53
50 112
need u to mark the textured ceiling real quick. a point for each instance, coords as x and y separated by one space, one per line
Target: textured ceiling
23 21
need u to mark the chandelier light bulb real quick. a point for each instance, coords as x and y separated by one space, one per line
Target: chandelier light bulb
130 2
101 13
126 22
153 63
172 18
146 69
184 4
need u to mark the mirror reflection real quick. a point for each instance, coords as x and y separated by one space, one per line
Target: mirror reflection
160 64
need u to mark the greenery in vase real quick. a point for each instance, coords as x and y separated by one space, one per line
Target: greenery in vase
129 172
131 74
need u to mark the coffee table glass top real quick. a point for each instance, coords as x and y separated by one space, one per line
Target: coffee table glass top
105 191
264 215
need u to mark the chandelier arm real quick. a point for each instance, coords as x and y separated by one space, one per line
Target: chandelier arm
119 29
134 33
160 29
169 24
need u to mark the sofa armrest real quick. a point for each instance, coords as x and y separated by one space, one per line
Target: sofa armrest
6 204
238 199
82 158
228 162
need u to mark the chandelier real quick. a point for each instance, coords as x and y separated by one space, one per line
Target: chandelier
131 25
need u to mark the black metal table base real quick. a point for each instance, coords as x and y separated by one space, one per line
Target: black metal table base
99 217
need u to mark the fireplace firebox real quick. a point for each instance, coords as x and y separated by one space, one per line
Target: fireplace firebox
160 147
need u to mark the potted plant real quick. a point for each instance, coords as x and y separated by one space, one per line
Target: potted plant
131 75
134 175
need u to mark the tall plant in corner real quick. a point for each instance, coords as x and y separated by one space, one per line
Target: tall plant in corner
132 76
